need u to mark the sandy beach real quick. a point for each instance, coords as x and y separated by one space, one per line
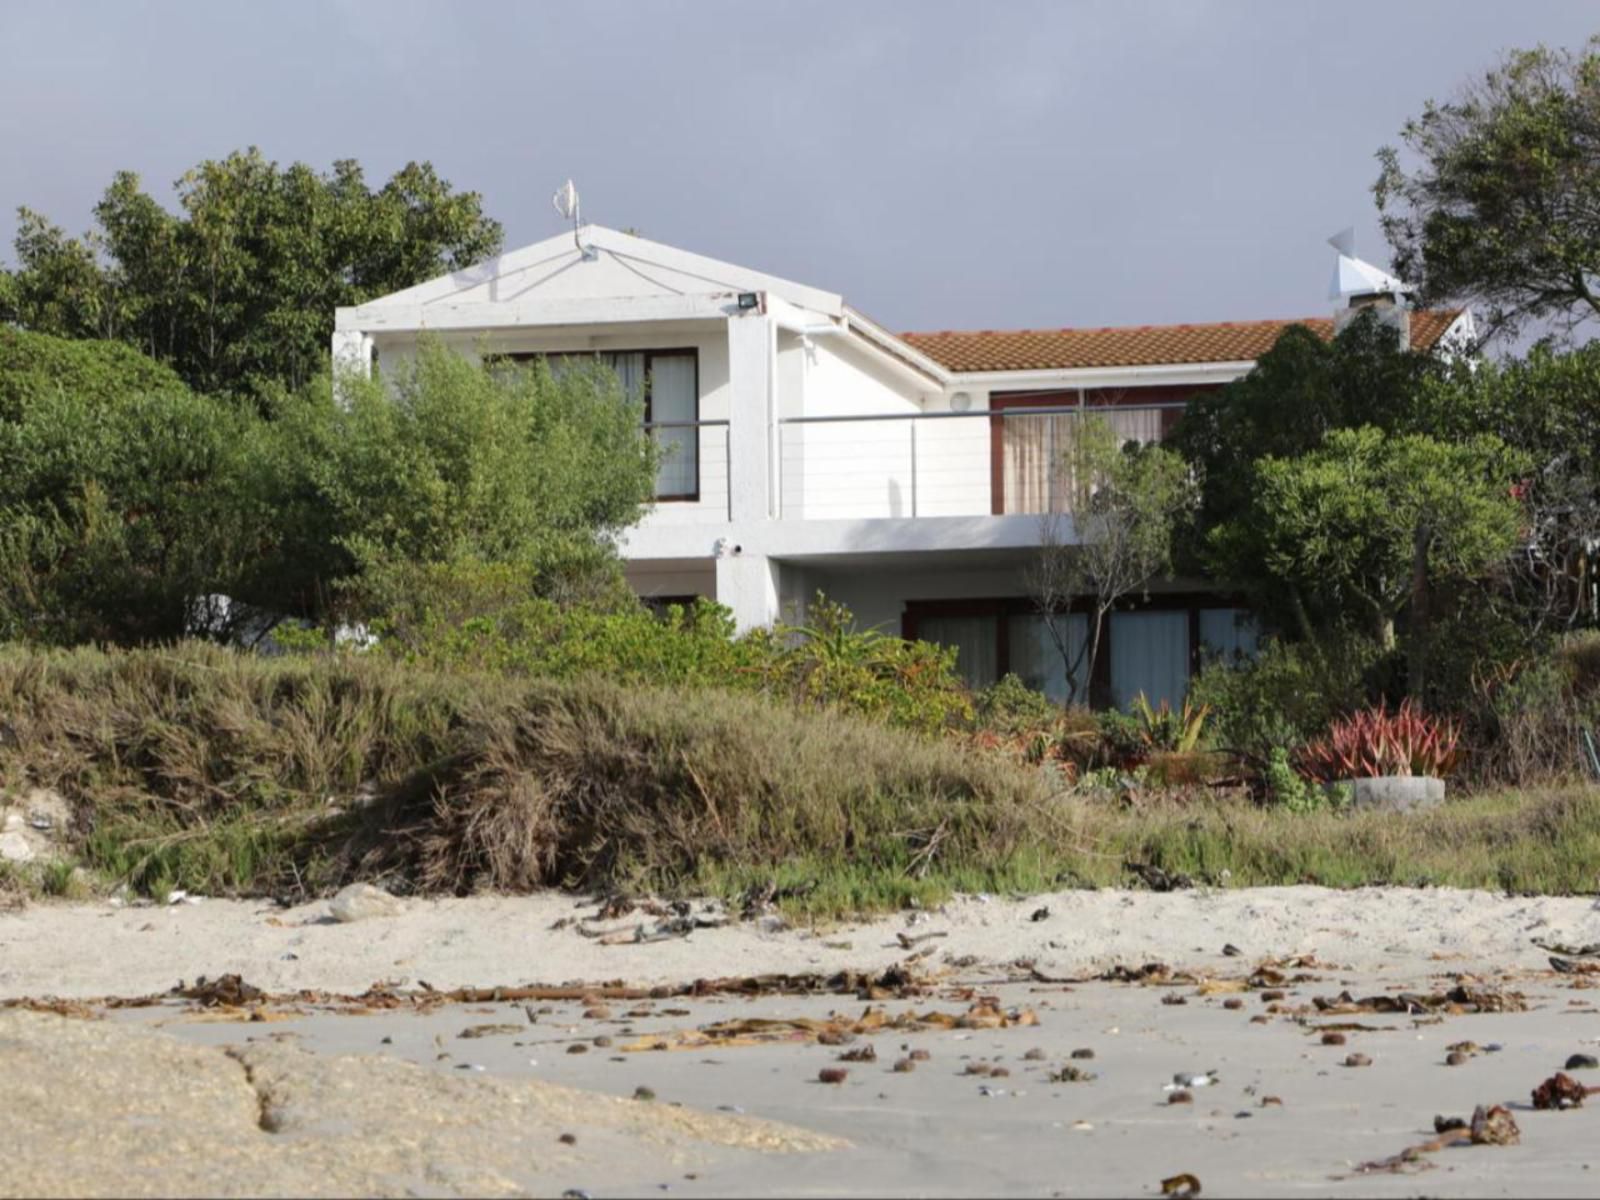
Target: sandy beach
959 1079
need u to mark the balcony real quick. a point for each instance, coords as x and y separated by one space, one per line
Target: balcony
1002 462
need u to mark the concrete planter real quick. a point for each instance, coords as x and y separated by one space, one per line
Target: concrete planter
1397 793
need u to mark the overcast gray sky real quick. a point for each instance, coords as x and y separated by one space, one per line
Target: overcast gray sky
943 165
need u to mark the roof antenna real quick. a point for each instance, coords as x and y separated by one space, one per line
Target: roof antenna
566 203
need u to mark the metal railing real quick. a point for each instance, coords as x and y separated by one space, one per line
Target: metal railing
706 479
1008 460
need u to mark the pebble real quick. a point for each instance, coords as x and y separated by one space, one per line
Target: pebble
834 1075
1181 1096
1333 1039
644 1093
602 1041
1357 1060
1083 1052
1233 1002
904 1066
1455 1058
360 901
577 1048
1271 995
1583 1062
1034 1055
920 1056
568 1139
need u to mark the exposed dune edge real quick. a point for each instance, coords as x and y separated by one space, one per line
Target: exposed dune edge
93 950
100 1108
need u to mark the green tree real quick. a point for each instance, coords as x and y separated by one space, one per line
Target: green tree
1546 406
1299 391
448 462
238 288
1501 205
1123 505
122 504
1365 525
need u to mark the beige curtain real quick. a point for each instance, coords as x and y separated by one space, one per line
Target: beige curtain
1033 448
1142 425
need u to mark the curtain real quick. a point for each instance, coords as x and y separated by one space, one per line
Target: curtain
672 398
1230 634
1032 450
630 372
1149 654
1142 425
976 640
1036 659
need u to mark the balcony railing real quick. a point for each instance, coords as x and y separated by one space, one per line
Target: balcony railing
693 471
1006 460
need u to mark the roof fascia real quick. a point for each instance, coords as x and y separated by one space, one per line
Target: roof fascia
1097 376
380 318
886 345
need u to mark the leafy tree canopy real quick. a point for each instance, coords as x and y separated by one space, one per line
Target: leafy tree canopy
1360 526
34 365
1300 390
1501 205
124 504
238 287
451 462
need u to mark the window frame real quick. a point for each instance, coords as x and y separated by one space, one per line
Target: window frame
1173 397
650 355
1003 607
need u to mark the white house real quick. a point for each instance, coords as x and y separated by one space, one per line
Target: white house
808 448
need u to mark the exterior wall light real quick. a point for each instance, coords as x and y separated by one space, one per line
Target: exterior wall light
960 401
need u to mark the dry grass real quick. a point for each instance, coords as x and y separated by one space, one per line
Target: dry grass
223 773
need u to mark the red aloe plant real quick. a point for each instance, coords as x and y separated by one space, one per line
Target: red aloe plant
1379 742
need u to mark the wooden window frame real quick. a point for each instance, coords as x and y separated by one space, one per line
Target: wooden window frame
691 352
1087 399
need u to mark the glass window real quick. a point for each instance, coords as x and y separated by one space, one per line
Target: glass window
672 398
1037 658
1149 654
976 640
1228 633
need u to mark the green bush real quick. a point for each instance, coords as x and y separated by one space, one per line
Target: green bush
1288 692
466 618
119 506
1010 706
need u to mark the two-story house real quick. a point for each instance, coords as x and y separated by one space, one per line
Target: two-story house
807 448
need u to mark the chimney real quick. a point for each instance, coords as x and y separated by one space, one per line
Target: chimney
1359 286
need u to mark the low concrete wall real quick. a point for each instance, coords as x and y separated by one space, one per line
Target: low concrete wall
1397 793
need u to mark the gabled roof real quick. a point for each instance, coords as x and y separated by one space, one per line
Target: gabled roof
1136 345
618 266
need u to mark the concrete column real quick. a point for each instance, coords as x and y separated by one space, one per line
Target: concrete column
352 355
750 370
352 351
748 584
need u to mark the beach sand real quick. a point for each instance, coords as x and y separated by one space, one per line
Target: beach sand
935 1130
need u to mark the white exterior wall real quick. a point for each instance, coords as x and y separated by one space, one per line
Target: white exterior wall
852 468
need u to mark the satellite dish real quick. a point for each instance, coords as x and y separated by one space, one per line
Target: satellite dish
566 201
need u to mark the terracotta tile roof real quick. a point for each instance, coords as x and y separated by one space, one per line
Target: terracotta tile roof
1134 345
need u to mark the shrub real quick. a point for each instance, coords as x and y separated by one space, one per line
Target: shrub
1377 742
1161 729
1288 693
1010 706
473 623
447 461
